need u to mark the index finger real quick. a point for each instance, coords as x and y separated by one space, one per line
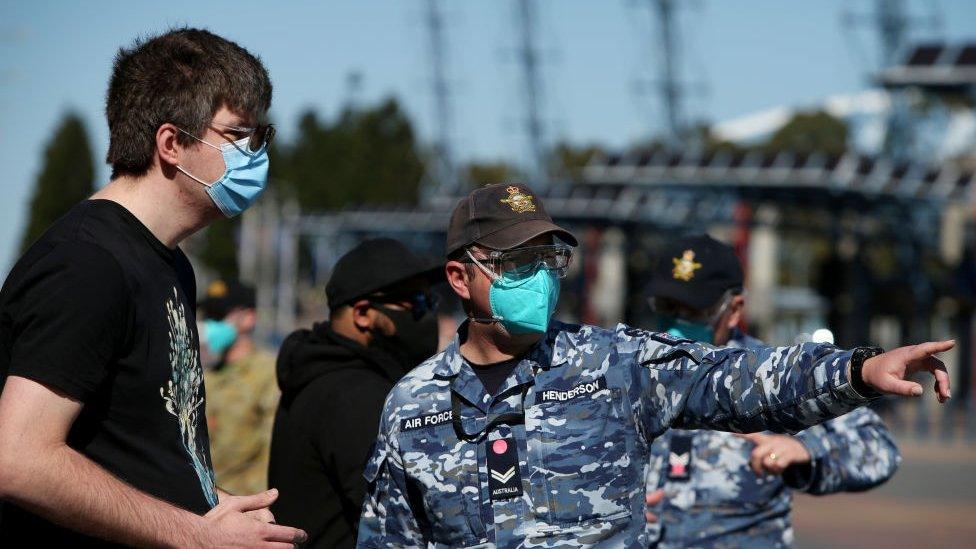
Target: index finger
930 348
277 532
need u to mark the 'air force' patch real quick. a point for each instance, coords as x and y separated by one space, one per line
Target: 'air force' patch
428 420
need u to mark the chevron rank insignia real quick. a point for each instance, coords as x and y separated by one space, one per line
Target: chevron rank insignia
679 460
504 480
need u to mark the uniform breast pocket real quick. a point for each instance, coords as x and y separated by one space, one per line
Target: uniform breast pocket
442 474
588 454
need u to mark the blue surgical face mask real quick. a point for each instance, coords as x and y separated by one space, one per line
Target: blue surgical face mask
685 329
523 303
245 176
218 336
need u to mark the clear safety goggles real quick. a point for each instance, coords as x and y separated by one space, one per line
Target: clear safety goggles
523 261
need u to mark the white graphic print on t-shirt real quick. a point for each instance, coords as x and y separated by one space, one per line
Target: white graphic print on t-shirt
183 395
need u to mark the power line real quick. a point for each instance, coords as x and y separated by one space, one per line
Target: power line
444 172
528 56
669 83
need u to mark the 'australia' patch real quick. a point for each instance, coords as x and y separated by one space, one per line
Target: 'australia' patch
583 389
504 479
428 420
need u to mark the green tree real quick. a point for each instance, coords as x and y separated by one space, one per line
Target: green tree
568 160
67 177
219 248
366 156
809 132
480 174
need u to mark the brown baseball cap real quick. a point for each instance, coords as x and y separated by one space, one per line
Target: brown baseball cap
501 217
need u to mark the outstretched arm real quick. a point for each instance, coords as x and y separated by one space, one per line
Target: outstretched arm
782 389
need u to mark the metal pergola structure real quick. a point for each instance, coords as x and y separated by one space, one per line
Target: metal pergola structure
670 191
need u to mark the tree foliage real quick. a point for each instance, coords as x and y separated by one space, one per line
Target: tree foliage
219 247
365 156
568 160
480 174
809 132
67 177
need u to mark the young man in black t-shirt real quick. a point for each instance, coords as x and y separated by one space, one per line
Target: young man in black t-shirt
103 437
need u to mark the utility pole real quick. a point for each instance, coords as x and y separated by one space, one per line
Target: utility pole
892 24
529 60
669 83
444 172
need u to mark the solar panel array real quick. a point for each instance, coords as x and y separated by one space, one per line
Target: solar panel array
934 65
850 172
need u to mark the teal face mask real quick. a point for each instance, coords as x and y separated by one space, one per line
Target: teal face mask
684 329
218 335
245 176
523 303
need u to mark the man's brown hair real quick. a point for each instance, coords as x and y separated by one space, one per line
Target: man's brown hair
181 77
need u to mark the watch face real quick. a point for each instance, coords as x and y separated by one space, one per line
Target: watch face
858 356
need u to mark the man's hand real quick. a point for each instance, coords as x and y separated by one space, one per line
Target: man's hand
774 453
264 514
652 499
228 524
889 372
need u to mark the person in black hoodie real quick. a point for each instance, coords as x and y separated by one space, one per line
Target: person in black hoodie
334 380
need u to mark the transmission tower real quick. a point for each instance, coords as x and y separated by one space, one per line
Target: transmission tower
528 56
444 173
893 25
892 22
669 84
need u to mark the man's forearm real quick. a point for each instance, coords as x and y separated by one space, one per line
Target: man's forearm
67 488
783 389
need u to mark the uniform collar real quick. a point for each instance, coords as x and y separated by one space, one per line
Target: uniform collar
556 348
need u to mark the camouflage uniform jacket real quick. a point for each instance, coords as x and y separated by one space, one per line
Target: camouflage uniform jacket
241 400
592 401
713 499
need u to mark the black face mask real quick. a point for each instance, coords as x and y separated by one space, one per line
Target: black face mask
414 341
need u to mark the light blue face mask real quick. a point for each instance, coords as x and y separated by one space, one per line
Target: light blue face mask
245 176
218 335
523 303
684 329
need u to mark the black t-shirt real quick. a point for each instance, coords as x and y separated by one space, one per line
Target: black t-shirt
493 375
101 310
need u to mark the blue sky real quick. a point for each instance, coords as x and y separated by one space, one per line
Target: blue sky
750 54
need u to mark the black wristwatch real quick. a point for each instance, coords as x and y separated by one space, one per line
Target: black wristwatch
858 356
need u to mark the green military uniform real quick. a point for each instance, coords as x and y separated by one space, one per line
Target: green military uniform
241 400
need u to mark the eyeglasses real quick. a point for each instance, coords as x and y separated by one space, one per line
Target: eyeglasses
421 303
259 136
521 261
